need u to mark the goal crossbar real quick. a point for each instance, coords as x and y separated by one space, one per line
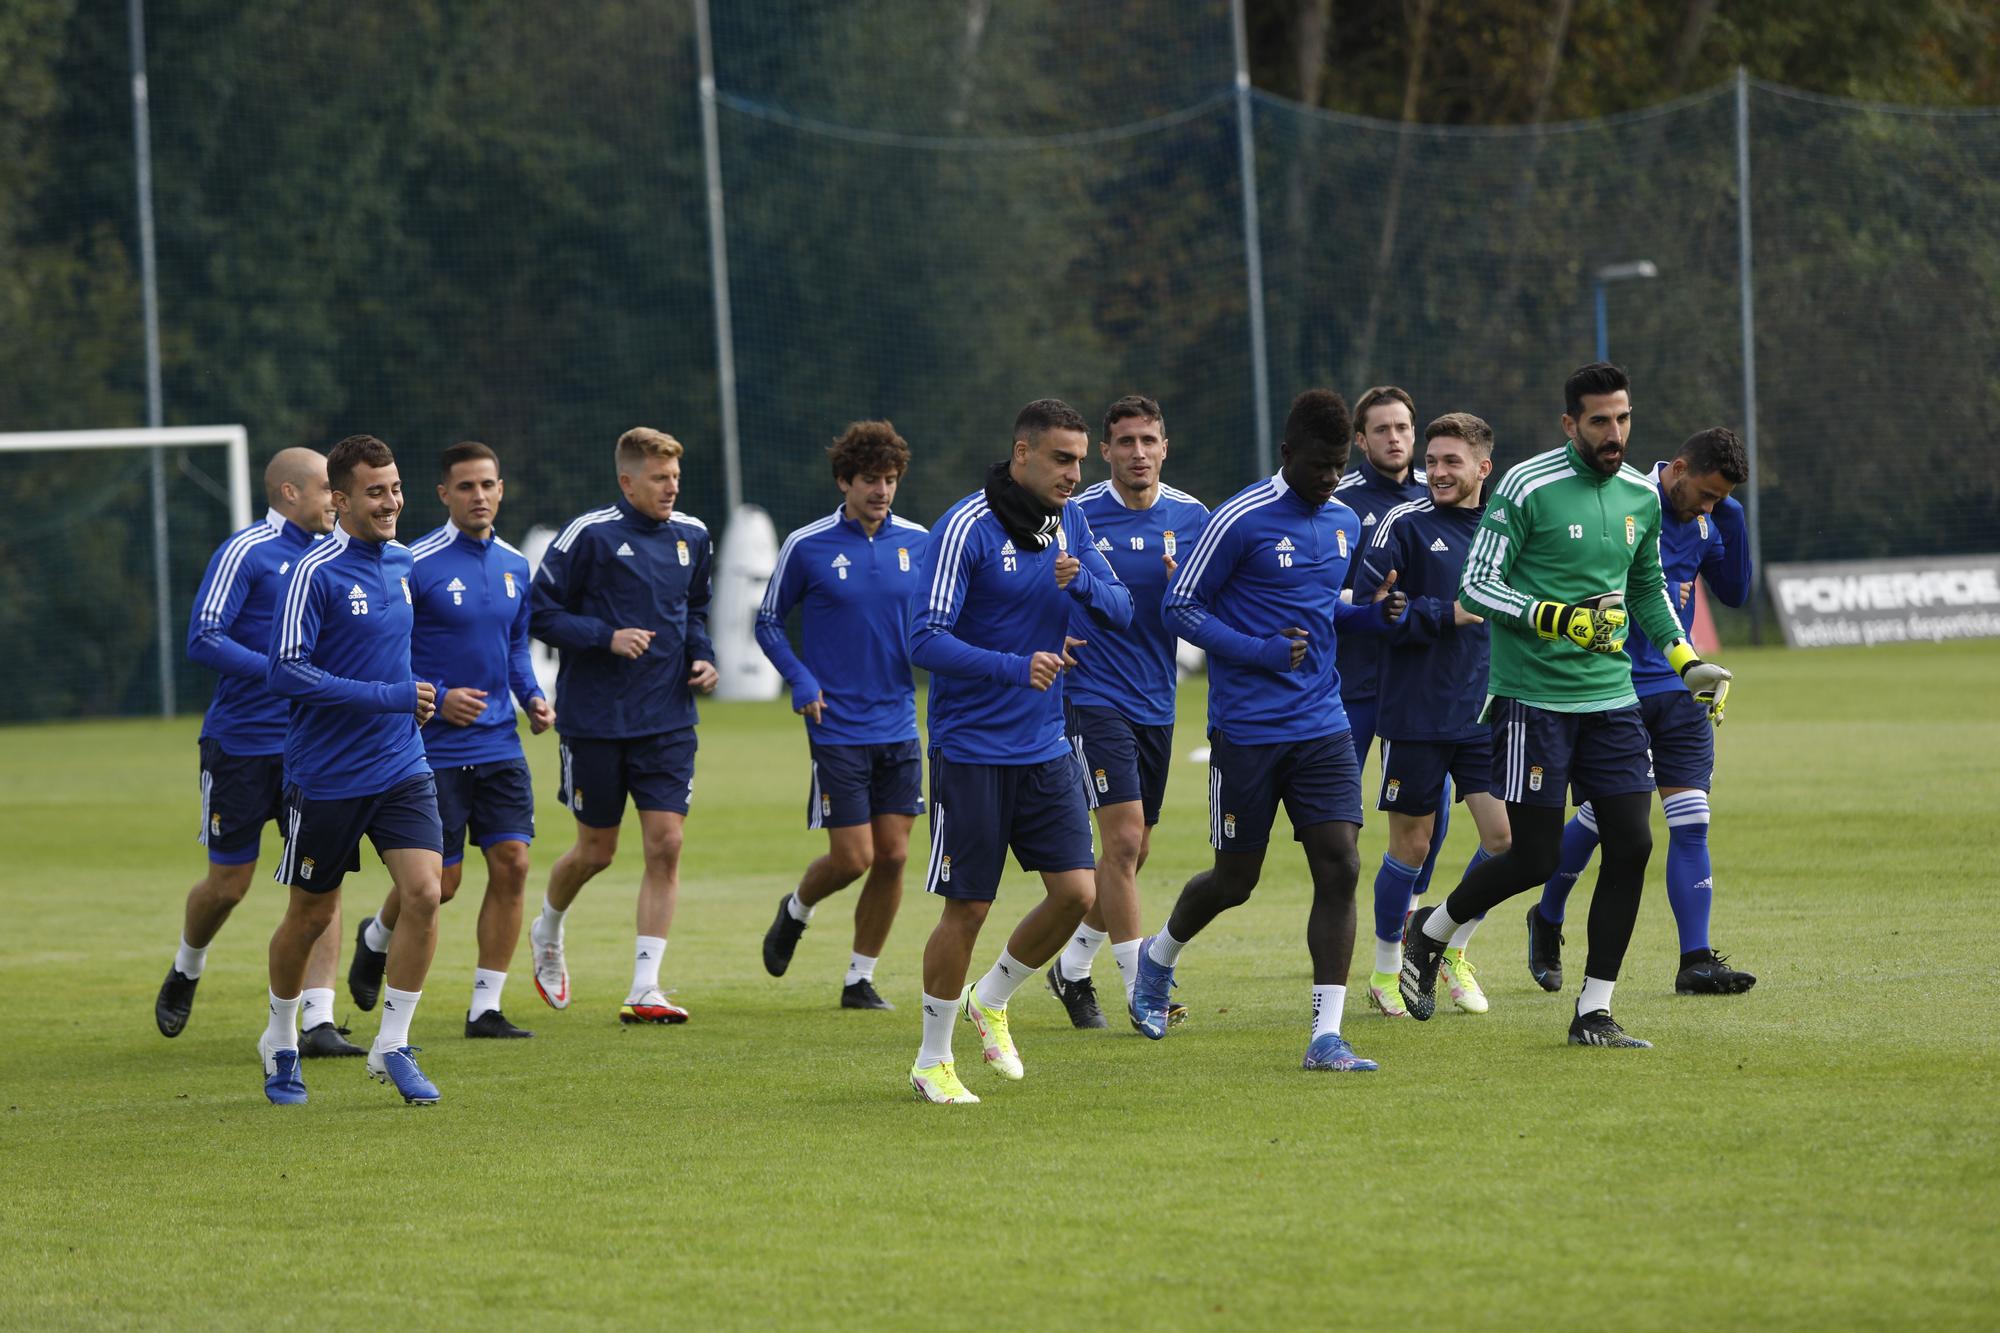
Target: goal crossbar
233 438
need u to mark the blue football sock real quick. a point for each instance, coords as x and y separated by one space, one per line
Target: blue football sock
1690 880
1579 841
1438 830
1393 883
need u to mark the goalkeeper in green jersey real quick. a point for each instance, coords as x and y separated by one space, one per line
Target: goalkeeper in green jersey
1569 547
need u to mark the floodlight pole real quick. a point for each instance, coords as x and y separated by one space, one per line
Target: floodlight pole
1749 323
142 152
1253 245
1604 277
718 266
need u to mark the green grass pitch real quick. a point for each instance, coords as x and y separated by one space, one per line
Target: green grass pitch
1820 1152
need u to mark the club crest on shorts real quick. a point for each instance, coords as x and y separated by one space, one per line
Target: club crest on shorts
1393 790
215 826
1535 778
1103 782
1229 826
825 806
944 870
576 799
1167 539
903 558
306 868
681 550
1631 530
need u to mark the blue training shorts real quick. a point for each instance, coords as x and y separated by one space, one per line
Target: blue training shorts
1683 739
1122 760
657 771
1318 780
851 784
978 811
238 794
323 837
495 801
1413 772
1538 756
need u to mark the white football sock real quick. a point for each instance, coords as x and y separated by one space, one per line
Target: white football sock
1166 950
376 936
1388 956
1077 954
1438 925
860 967
398 1008
1328 1001
798 910
1596 995
998 986
1463 935
939 1017
1126 955
486 988
315 1007
552 920
646 955
189 961
282 1032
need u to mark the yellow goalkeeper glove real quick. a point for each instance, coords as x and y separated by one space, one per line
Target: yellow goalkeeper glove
1708 682
1592 628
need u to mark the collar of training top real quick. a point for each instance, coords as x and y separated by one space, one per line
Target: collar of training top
1024 517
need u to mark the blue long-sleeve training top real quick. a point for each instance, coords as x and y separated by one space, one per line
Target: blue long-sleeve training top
1712 547
855 591
1371 495
1132 670
984 608
611 569
1433 682
1266 561
340 651
229 632
471 600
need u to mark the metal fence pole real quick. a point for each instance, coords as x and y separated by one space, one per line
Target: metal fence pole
718 266
142 147
1253 246
1749 322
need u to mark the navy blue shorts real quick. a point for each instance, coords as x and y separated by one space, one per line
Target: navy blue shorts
323 838
1318 780
1538 755
1413 772
238 794
657 771
1122 760
496 801
1683 739
851 784
978 811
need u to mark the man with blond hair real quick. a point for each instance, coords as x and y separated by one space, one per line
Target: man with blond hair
623 594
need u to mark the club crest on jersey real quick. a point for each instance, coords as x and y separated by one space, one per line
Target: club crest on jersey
507 577
681 550
1167 540
1229 826
406 592
1340 540
1393 790
1535 778
1631 530
840 566
903 558
1701 522
1062 539
1103 782
457 590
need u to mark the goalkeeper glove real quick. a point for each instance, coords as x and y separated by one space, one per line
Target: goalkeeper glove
1592 628
1708 682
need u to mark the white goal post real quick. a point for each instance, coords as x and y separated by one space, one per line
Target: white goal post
234 439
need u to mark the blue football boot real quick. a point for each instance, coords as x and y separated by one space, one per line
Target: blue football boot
1330 1050
1151 994
282 1083
400 1067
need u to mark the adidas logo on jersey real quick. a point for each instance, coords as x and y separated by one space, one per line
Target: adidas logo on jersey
1007 548
1437 544
1285 544
1104 543
840 565
624 548
455 585
1368 520
1499 514
355 594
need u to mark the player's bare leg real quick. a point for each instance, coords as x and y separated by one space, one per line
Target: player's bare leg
1124 840
1041 934
659 894
589 856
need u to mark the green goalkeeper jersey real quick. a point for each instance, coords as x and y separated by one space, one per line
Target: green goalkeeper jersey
1558 530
